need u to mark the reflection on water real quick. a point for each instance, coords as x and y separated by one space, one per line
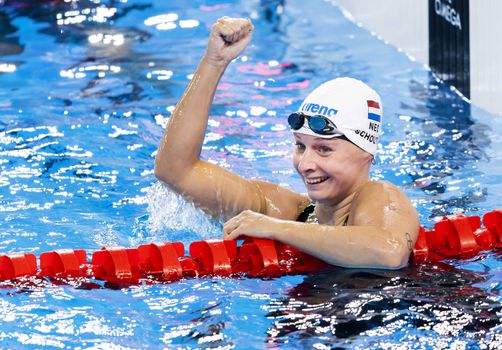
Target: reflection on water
437 303
87 89
443 161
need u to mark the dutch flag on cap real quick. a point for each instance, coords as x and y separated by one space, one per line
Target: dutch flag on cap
374 112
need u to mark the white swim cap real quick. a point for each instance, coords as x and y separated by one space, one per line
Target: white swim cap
354 108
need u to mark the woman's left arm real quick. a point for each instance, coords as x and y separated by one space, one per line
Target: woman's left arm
383 228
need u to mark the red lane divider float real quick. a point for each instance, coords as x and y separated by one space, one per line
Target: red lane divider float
459 237
453 237
63 263
17 265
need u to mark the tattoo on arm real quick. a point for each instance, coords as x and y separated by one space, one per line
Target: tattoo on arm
410 242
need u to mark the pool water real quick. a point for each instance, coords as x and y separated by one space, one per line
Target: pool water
87 88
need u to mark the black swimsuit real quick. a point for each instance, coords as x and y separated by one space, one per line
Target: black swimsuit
309 209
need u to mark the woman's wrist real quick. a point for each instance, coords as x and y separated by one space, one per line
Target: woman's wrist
279 229
216 63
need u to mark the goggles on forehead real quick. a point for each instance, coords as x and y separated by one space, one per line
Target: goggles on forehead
317 123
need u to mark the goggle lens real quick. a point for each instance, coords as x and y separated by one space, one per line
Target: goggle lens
317 123
296 121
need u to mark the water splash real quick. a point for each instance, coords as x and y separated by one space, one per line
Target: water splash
172 218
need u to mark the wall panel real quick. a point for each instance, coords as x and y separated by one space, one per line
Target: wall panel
406 24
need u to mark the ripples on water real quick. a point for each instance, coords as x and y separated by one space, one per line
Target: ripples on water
87 89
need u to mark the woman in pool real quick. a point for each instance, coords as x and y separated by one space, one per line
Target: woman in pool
346 219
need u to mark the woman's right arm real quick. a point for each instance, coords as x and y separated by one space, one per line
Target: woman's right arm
218 191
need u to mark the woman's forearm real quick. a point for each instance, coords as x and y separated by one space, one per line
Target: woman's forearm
184 135
179 150
347 246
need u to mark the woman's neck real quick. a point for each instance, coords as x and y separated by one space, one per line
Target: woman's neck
335 214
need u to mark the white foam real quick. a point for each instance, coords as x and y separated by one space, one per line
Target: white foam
172 218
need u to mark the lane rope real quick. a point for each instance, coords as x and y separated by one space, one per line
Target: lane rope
453 237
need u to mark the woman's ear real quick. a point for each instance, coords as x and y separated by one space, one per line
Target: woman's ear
368 159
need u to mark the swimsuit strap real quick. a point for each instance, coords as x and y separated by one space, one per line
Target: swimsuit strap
304 215
346 222
309 210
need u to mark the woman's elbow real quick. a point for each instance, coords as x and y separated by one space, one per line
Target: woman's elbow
172 175
163 174
159 172
395 259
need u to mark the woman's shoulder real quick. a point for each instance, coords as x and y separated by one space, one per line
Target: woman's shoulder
380 191
383 204
380 185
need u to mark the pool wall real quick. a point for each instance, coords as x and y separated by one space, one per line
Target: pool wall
458 39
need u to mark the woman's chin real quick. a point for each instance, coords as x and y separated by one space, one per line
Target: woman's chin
317 196
322 197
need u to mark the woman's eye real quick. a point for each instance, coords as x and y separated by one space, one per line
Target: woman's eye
299 146
325 149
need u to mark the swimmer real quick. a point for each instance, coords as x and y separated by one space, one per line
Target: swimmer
345 219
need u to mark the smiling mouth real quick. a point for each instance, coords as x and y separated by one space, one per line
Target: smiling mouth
316 180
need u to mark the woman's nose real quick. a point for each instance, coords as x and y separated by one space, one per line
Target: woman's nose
306 162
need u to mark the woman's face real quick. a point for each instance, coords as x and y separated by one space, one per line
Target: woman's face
330 168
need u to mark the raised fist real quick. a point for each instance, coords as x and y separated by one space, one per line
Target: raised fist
229 37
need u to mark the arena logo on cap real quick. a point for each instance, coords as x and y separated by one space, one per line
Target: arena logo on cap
374 112
318 109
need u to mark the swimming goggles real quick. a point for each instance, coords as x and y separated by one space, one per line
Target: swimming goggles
317 123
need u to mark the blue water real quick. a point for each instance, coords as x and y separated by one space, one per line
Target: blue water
86 90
